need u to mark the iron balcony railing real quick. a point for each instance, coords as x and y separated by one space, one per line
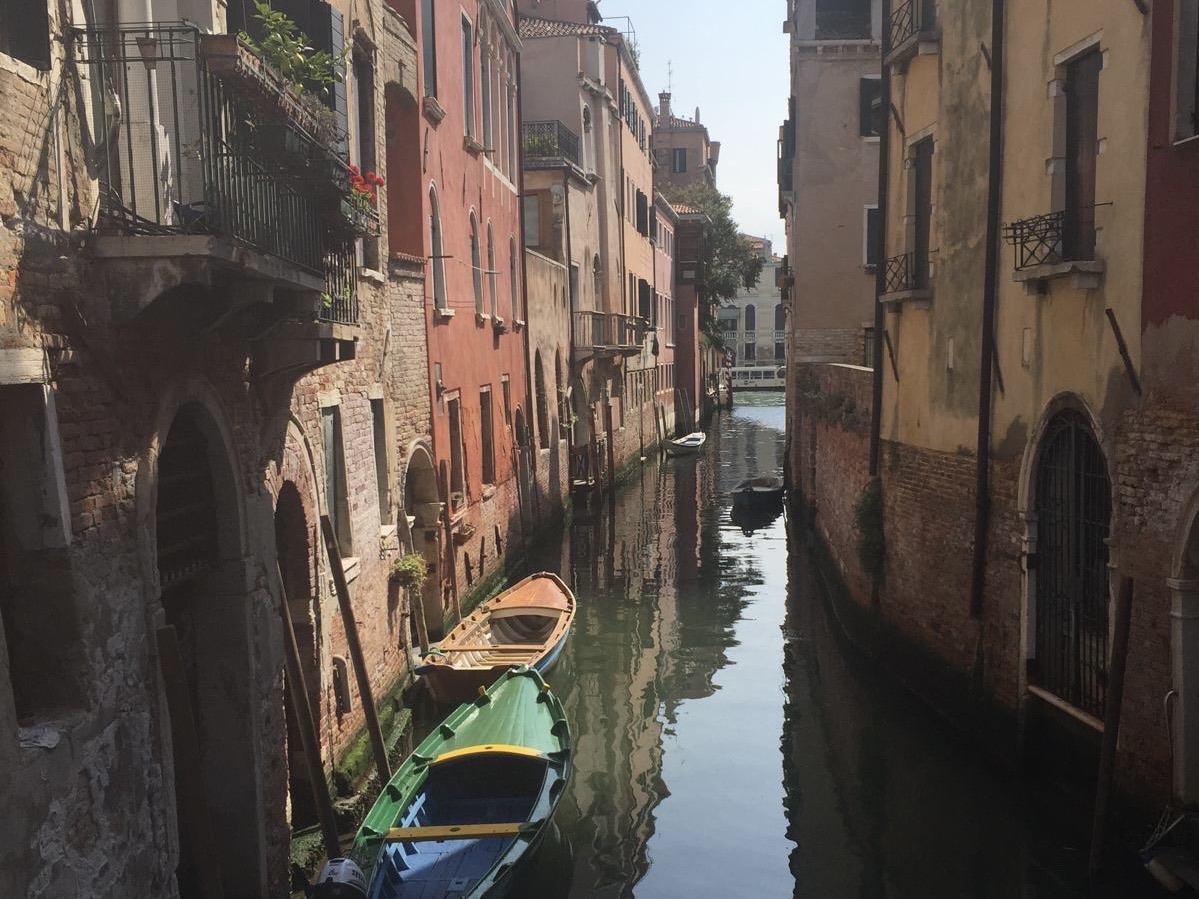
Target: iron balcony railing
1064 236
608 330
908 19
182 152
842 24
907 271
549 142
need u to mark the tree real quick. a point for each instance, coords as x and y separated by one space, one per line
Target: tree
727 262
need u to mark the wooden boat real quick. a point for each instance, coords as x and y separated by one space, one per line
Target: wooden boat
754 518
685 446
765 492
474 800
527 624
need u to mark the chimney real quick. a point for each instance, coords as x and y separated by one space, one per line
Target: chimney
664 105
697 115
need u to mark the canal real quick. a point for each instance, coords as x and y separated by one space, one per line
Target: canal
729 742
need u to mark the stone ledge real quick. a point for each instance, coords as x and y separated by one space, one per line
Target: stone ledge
1084 274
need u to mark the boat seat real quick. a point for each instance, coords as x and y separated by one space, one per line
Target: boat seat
428 833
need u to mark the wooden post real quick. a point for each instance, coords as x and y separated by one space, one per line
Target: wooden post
297 686
1111 722
422 627
611 447
449 542
200 859
356 656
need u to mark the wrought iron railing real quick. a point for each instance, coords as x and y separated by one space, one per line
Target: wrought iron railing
182 152
908 19
601 330
908 271
843 25
1052 238
549 141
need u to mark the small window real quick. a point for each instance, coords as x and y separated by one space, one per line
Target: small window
382 459
337 503
468 78
25 31
872 246
488 435
506 388
492 289
532 220
642 214
514 284
485 96
680 160
457 456
870 107
364 88
751 351
1186 71
476 264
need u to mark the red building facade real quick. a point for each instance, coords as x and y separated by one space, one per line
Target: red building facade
461 212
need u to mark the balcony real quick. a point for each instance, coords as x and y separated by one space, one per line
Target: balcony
905 278
1056 245
606 335
217 186
549 145
843 24
911 30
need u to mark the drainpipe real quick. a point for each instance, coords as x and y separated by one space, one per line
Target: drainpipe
880 272
530 410
982 480
570 324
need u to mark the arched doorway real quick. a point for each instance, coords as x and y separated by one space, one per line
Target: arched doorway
1068 665
293 543
422 506
202 580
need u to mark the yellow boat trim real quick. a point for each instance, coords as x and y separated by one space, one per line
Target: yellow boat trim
455 832
490 748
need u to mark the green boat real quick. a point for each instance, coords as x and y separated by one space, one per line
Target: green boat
473 800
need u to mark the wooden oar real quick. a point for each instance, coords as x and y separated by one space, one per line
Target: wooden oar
456 832
488 647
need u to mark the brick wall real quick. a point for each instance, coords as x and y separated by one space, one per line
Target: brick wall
828 345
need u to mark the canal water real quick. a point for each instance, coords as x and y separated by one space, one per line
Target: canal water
729 743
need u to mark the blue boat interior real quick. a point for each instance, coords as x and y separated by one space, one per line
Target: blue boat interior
485 789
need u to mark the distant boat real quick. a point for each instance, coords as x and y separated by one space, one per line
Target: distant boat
765 492
686 446
754 518
527 624
473 801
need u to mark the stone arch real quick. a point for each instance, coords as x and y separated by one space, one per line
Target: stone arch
192 521
422 511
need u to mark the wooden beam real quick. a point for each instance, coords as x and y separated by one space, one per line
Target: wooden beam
200 863
1123 348
355 646
298 687
456 832
487 647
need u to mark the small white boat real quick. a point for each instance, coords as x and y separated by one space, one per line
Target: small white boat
686 446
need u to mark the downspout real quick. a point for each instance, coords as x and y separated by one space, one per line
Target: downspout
880 271
570 324
530 411
982 481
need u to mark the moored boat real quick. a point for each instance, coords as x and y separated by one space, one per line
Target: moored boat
473 801
527 624
685 446
766 492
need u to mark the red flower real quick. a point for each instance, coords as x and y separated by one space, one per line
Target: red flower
379 180
354 171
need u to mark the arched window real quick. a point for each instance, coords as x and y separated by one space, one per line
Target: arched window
1073 507
780 317
751 318
476 263
491 285
515 285
543 412
436 248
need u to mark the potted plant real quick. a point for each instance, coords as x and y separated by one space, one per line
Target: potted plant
359 206
410 571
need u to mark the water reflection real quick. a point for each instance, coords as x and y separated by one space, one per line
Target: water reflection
729 744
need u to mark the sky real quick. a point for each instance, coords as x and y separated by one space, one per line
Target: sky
731 61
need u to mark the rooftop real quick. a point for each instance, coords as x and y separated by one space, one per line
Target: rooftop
533 27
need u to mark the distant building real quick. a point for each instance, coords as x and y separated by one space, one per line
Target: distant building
684 153
754 322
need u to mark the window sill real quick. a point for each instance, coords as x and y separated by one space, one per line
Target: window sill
433 111
1084 274
389 538
922 43
352 567
375 277
917 299
444 314
482 318
472 146
518 323
499 324
488 491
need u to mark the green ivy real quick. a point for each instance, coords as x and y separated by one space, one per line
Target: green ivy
286 49
409 571
868 522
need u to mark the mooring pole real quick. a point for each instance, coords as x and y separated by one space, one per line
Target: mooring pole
355 646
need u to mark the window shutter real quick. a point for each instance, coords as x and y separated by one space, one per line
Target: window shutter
340 107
